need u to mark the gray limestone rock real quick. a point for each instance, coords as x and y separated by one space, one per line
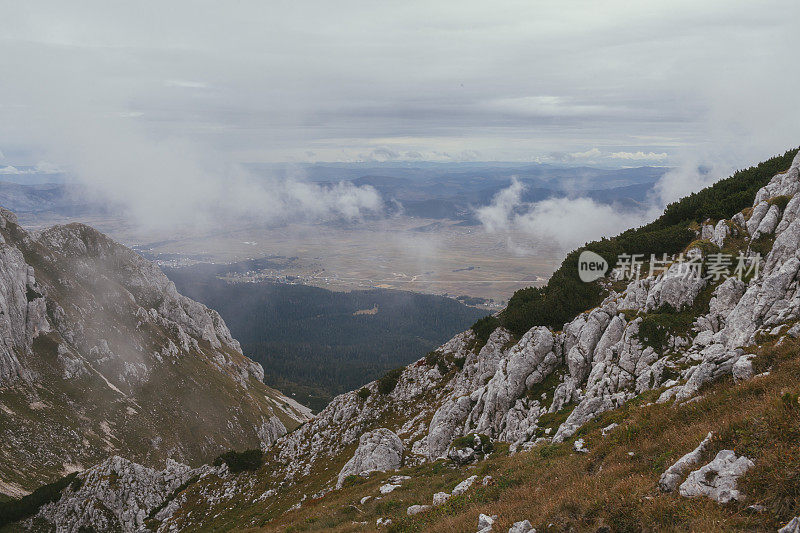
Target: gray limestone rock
717 479
378 450
673 475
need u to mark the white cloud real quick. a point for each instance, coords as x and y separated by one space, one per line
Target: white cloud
42 167
639 156
512 83
593 153
499 214
555 224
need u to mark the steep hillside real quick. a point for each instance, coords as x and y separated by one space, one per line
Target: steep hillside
600 423
99 354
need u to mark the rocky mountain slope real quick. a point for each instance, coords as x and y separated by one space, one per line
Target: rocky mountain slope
100 355
492 425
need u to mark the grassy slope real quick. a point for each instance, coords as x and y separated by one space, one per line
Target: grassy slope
608 487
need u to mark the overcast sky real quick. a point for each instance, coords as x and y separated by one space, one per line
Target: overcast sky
613 83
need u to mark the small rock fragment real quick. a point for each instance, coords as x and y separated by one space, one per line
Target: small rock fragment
609 428
386 489
464 486
440 497
485 523
522 527
416 509
792 527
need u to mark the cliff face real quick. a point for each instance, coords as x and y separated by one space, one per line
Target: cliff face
99 354
668 334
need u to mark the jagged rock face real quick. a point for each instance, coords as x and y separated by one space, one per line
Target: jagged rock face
378 451
116 495
99 354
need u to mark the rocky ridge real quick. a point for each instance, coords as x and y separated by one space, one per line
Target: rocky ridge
100 355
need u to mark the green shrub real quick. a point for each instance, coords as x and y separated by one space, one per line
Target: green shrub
240 461
483 328
468 441
656 328
433 358
781 201
363 393
352 480
763 244
388 381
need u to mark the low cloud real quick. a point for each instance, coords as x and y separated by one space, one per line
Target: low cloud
169 184
563 224
42 167
594 153
639 156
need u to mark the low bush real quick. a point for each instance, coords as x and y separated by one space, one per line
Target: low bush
237 462
388 381
483 328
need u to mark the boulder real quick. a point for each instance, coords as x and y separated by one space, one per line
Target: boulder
378 450
717 479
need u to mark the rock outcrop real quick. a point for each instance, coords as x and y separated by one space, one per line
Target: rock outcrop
115 495
378 451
